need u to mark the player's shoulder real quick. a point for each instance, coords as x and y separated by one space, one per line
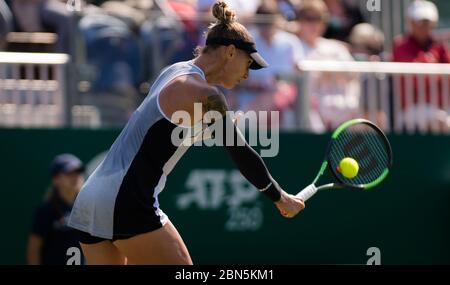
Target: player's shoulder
183 91
190 84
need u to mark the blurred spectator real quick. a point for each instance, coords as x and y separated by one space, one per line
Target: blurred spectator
6 22
170 37
343 17
287 9
50 236
419 46
266 90
132 12
112 47
187 14
46 16
113 54
366 43
335 97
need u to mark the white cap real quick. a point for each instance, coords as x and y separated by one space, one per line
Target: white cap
423 10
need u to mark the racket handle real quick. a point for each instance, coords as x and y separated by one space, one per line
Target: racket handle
307 193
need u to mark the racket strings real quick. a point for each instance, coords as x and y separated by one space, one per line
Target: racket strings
367 147
338 155
371 159
378 147
374 155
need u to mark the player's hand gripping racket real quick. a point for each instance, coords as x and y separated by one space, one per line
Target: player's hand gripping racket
363 144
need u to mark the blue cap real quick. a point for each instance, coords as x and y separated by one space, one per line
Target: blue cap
65 163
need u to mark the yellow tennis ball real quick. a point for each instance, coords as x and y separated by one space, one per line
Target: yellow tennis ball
349 167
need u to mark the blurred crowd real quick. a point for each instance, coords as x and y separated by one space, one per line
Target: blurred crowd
124 44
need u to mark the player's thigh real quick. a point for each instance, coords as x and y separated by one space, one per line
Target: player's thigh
103 253
162 246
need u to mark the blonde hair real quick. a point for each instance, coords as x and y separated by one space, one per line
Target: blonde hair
367 36
226 27
317 6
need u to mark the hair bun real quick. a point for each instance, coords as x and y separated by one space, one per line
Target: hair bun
223 13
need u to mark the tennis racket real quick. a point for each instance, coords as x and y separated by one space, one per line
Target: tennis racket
363 141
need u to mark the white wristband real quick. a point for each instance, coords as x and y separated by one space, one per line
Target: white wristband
265 188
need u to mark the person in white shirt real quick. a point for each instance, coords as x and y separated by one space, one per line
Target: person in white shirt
267 90
335 97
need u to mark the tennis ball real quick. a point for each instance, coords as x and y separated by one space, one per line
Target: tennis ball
348 167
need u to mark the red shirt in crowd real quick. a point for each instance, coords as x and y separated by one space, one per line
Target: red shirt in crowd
407 49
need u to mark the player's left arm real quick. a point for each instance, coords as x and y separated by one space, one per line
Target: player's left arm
245 157
249 162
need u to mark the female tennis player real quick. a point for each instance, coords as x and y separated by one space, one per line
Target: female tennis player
117 211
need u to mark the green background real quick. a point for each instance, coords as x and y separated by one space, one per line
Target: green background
407 217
